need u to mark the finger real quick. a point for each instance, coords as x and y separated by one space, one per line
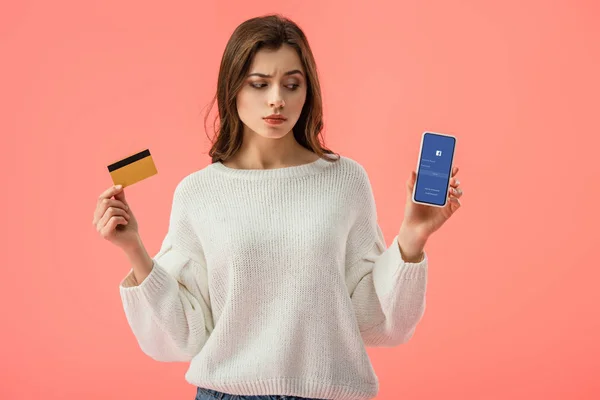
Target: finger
112 225
103 206
110 192
454 171
115 203
454 182
110 213
455 201
455 192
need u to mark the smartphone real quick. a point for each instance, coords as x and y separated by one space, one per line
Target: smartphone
434 169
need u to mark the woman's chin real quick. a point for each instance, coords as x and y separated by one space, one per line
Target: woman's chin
274 132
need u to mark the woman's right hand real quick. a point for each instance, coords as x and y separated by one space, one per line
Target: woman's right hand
114 219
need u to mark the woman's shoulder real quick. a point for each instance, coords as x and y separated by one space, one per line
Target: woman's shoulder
351 167
193 182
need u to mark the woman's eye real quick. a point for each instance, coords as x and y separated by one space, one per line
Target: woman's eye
291 86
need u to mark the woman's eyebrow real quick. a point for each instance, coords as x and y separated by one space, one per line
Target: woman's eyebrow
295 71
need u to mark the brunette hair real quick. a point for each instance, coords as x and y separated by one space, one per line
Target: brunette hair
271 32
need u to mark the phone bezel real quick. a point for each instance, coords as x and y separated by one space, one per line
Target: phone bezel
419 164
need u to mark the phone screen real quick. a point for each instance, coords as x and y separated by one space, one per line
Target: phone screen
433 175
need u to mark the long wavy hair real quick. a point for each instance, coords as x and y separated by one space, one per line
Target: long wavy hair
270 32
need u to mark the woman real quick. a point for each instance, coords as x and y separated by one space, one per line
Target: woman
274 274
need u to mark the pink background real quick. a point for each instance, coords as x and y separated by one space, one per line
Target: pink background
513 298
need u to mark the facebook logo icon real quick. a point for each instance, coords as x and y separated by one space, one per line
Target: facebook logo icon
438 153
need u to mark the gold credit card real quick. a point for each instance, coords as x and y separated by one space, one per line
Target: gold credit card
132 169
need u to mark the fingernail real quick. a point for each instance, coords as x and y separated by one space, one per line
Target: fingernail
118 186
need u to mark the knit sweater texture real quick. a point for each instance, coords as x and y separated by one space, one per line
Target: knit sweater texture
274 282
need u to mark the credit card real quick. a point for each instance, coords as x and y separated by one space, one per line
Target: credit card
132 169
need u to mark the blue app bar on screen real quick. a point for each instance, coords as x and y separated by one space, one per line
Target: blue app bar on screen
434 169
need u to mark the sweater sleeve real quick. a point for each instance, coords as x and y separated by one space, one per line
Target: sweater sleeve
387 293
169 312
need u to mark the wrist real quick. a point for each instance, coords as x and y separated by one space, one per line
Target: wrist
139 259
411 245
134 249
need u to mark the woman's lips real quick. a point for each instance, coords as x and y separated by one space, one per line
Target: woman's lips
274 120
271 121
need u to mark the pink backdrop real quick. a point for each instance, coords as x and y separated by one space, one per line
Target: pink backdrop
513 297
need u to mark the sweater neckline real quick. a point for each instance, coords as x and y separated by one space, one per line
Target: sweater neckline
310 168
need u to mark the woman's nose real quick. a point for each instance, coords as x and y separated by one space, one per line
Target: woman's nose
275 98
277 102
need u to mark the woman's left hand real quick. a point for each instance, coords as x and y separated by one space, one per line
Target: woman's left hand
422 220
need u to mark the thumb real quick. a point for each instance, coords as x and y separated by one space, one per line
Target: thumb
121 196
410 182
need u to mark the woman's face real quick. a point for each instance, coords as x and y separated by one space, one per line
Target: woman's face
275 84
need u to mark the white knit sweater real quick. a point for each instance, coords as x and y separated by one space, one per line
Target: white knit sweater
272 282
